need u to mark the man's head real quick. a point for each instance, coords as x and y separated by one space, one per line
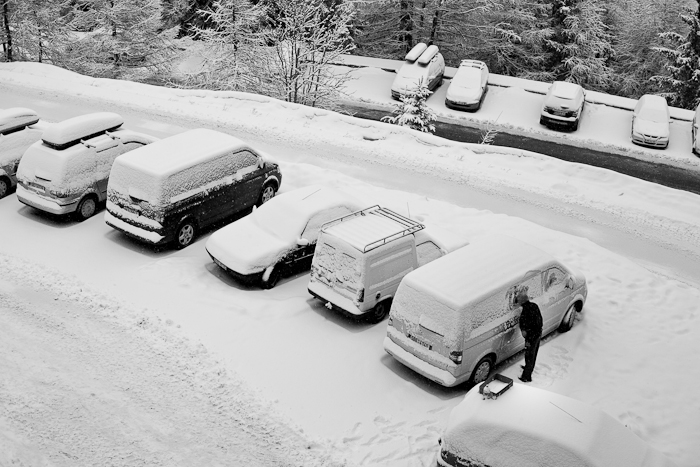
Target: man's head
521 296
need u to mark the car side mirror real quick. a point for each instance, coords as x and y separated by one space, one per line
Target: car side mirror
570 283
261 163
302 242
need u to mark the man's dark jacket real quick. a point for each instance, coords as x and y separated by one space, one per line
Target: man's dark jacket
531 321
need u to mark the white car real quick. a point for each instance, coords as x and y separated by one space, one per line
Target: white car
529 427
563 106
468 87
650 122
423 64
696 134
19 129
279 236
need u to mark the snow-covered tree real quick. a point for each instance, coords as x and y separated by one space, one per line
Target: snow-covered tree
682 84
413 111
580 44
34 30
122 38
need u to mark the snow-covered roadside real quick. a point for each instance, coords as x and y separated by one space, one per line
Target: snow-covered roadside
513 105
85 380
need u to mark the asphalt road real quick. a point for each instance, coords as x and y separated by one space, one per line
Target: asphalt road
662 174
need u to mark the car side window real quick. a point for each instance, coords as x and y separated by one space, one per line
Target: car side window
553 277
427 252
245 162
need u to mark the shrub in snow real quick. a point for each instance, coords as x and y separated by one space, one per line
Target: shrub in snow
413 111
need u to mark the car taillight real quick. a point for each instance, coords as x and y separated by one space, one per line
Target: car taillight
361 295
58 194
456 356
391 321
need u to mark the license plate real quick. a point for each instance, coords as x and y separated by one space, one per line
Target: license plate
220 264
36 187
420 341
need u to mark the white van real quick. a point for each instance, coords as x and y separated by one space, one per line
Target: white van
171 190
67 171
454 319
423 64
19 129
361 258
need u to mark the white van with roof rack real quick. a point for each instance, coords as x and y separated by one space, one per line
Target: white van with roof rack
67 171
454 319
361 258
19 129
423 64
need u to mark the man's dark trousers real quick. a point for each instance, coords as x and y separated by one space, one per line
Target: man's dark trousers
531 348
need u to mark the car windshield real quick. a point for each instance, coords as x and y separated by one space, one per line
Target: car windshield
413 71
468 78
280 219
653 115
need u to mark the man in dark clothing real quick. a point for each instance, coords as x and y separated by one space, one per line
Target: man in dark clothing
531 328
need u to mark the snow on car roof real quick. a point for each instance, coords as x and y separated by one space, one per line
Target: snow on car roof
467 76
83 126
530 426
654 101
16 117
416 52
175 153
428 55
311 199
472 272
445 239
565 90
363 230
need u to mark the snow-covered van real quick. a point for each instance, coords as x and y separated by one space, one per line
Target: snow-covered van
423 64
19 129
67 171
361 258
168 191
529 427
454 319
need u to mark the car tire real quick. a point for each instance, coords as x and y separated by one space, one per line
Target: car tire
379 312
185 234
268 192
482 370
86 208
568 320
272 279
4 187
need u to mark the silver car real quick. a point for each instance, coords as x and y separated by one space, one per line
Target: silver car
468 87
650 122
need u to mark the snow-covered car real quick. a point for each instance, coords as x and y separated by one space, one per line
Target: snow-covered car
424 64
650 122
280 236
68 170
468 87
695 132
454 319
563 106
169 191
19 129
529 427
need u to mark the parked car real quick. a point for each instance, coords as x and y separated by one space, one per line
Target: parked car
361 258
454 319
170 190
563 106
696 134
280 236
19 129
650 122
468 87
423 64
67 171
530 427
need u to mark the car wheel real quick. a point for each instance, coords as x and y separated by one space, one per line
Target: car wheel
482 370
568 321
267 193
4 187
185 234
86 208
272 278
379 312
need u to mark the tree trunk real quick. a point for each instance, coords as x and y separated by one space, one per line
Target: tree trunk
436 23
8 33
406 24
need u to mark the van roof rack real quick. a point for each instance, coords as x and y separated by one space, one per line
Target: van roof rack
409 226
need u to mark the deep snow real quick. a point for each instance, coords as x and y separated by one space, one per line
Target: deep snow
632 353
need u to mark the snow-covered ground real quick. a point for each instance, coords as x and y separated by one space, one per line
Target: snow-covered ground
631 353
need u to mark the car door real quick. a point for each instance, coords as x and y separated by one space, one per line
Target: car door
513 340
555 297
427 252
106 150
247 180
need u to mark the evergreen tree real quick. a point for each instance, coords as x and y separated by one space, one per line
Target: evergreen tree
413 111
34 30
682 84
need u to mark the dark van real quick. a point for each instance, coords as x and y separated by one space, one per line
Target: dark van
169 190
